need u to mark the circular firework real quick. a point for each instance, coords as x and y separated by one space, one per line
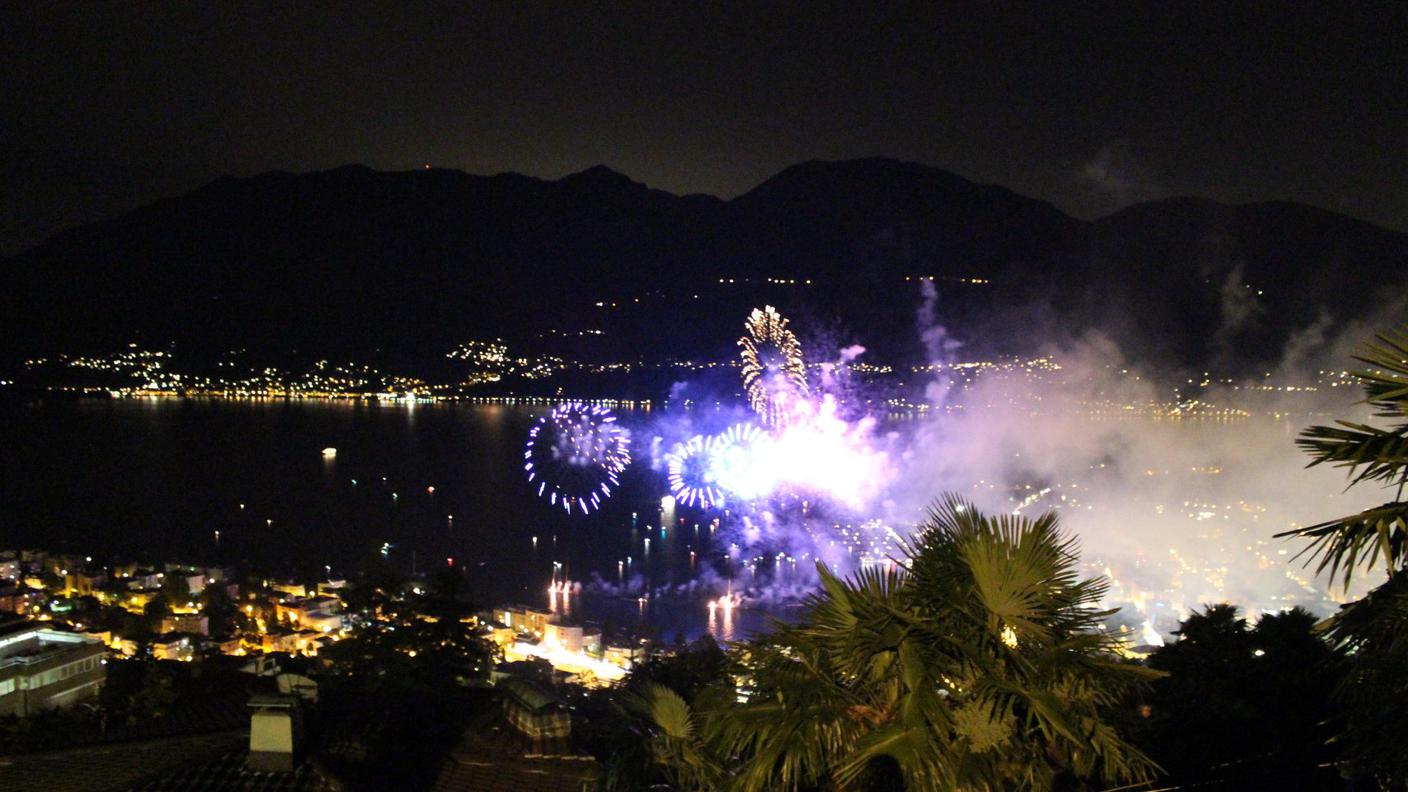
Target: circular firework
690 471
574 455
739 462
774 376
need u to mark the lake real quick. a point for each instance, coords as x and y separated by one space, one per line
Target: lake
155 479
1176 513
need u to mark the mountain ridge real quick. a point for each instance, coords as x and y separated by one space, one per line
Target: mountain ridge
592 173
353 260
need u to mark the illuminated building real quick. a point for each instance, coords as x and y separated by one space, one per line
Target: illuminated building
43 669
317 613
82 583
524 619
572 638
173 647
186 623
16 599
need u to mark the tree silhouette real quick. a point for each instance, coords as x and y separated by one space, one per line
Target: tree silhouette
1241 705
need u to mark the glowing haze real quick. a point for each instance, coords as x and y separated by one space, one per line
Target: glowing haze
1175 489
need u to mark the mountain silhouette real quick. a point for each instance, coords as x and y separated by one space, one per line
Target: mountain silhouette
399 267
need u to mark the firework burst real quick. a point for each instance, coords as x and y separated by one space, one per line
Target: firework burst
774 375
575 454
741 464
690 470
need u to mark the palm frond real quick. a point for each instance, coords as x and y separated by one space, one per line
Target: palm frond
1370 453
669 712
914 665
913 749
1371 632
1019 567
1386 384
1359 539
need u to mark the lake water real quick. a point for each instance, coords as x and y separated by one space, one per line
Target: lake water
156 479
1176 513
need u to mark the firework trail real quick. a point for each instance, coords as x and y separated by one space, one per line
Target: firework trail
774 375
575 454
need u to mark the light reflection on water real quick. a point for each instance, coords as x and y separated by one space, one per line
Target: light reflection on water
157 479
162 479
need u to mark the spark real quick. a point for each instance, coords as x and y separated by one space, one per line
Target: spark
575 453
774 375
690 470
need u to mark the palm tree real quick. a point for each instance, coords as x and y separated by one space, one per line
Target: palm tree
1373 630
1369 453
980 664
677 744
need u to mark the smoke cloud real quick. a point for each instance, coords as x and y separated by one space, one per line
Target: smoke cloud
1175 489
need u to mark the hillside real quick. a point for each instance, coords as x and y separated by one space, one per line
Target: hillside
400 267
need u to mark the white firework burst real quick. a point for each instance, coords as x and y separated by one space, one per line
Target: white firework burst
690 471
740 463
774 375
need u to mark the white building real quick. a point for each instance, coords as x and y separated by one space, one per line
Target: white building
41 668
524 619
318 613
572 638
322 622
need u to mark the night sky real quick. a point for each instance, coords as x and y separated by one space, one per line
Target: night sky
104 107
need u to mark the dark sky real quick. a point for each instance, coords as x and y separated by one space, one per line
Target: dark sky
107 106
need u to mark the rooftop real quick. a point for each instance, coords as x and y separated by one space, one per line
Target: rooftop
528 694
120 765
229 772
491 755
23 642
